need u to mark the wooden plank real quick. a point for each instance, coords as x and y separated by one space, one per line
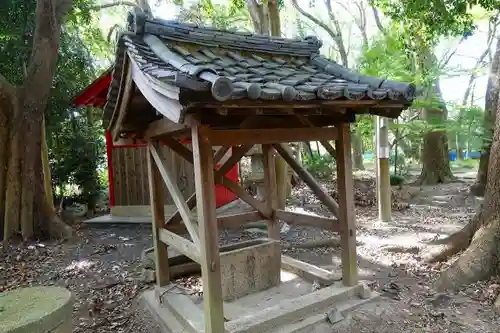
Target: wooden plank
210 263
158 219
181 244
307 271
307 219
346 206
163 127
268 136
236 221
176 194
324 197
271 191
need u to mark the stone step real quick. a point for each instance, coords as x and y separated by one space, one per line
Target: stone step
293 310
163 316
318 323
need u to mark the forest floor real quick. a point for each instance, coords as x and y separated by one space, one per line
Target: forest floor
103 267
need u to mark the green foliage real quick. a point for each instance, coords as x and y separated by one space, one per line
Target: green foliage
74 140
319 165
396 180
434 18
216 15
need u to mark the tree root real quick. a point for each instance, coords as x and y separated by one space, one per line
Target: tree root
455 243
477 262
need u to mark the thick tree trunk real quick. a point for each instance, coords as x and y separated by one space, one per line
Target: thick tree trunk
435 160
491 106
357 149
435 157
26 210
480 238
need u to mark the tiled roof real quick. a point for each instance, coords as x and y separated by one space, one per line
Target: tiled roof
258 67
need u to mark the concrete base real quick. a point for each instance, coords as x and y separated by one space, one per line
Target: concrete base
249 266
36 309
291 307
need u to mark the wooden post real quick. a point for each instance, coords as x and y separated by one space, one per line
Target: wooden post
270 191
347 215
157 197
209 238
383 177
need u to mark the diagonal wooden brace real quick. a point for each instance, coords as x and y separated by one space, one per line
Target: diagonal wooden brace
220 179
326 199
184 152
176 194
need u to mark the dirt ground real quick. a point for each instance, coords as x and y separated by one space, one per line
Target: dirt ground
103 268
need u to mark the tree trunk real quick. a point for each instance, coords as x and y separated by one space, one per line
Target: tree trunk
26 210
480 237
357 148
491 106
435 157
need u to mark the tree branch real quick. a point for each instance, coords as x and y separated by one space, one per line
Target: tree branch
316 21
114 4
378 22
339 39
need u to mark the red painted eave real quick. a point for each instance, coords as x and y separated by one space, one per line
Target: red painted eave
95 94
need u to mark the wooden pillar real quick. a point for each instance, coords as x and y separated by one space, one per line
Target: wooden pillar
347 215
209 238
383 174
157 198
270 190
109 155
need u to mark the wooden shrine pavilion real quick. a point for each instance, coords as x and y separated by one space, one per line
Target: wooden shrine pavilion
173 81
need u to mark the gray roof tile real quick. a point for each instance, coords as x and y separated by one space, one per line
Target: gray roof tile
274 68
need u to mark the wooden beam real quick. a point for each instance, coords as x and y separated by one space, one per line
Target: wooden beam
221 180
238 104
221 152
236 221
236 155
328 147
270 190
307 219
268 136
163 127
121 108
346 203
324 197
157 196
210 259
181 244
245 196
191 201
176 194
231 221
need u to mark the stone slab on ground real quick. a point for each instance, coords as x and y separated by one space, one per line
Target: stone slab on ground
36 310
292 307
